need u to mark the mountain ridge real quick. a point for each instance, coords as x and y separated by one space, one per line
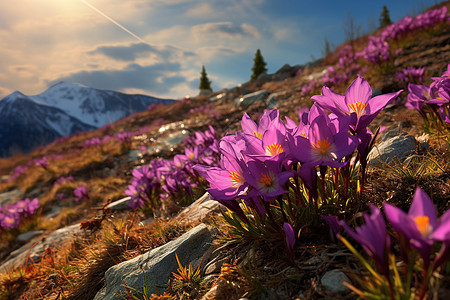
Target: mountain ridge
62 110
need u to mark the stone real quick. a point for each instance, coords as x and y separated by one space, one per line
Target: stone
121 204
26 236
218 97
249 99
399 147
333 281
134 155
201 209
316 75
35 251
273 99
156 266
10 197
175 138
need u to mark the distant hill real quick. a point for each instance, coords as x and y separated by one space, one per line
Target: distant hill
62 110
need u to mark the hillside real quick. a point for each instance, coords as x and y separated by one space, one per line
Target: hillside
271 243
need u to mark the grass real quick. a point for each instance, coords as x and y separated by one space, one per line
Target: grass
251 266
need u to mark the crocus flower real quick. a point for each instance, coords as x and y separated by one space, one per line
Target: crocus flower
373 237
266 179
290 236
80 193
333 223
420 225
358 99
324 146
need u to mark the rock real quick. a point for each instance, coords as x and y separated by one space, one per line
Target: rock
399 147
26 236
201 209
175 138
10 197
54 212
58 237
157 265
316 75
273 100
134 155
332 281
218 97
390 133
121 204
247 100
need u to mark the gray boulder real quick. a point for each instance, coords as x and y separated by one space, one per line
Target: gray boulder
10 197
333 281
156 266
19 256
399 147
249 99
201 209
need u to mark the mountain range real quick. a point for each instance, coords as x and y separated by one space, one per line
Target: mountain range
62 110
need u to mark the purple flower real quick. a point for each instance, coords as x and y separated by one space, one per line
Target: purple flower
290 236
266 179
358 99
42 163
326 144
333 223
80 193
420 225
373 237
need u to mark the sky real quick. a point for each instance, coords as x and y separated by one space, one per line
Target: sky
158 47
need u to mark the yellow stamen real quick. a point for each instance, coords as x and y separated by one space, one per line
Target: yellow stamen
274 149
266 180
423 224
322 146
191 156
236 178
258 134
357 107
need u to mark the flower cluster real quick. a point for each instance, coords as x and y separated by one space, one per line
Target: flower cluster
378 49
419 230
17 172
173 178
62 180
12 215
345 68
80 193
207 110
95 141
411 75
260 164
432 102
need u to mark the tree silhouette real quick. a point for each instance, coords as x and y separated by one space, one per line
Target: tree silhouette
385 19
259 65
205 83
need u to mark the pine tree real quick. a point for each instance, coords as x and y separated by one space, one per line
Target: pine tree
385 19
259 65
205 84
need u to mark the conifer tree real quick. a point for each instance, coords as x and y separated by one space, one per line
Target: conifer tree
385 19
205 83
259 65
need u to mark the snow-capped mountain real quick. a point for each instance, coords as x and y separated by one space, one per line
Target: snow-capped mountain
93 106
62 110
26 124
